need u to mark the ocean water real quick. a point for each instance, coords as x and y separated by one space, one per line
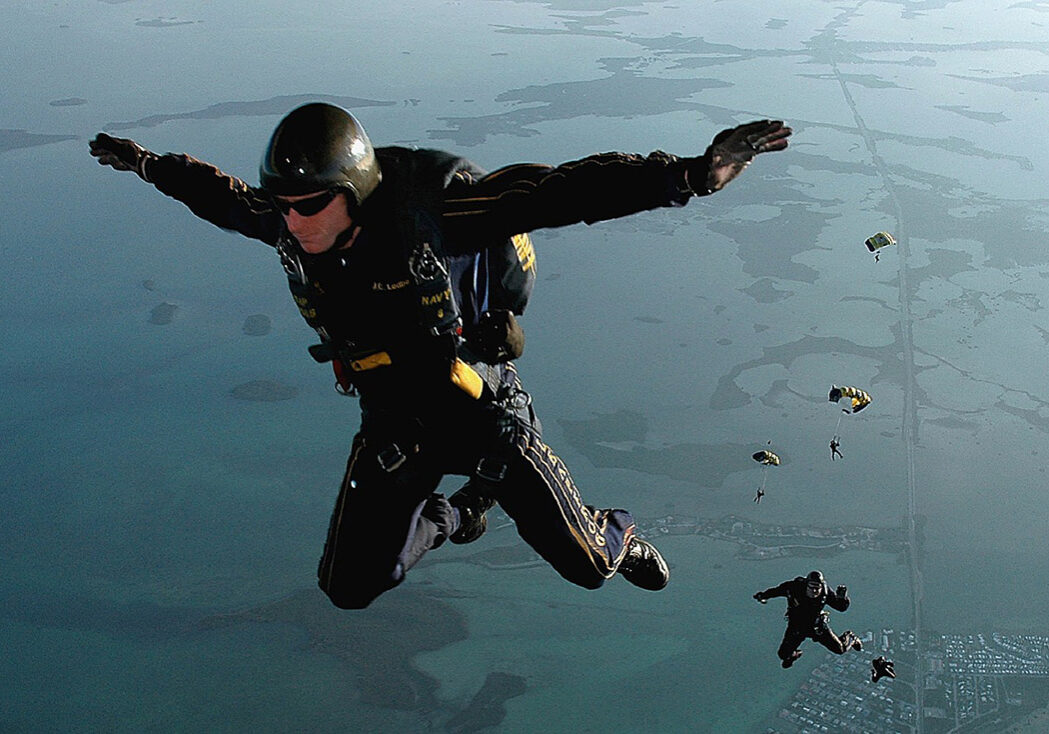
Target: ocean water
160 533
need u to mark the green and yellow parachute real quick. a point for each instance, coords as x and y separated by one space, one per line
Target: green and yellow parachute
766 457
859 398
877 241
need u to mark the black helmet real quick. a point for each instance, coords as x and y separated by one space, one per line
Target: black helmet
317 147
814 583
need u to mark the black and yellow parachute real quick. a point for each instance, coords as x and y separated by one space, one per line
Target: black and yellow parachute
860 399
877 241
766 457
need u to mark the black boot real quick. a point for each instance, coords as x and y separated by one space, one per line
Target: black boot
472 508
790 661
643 566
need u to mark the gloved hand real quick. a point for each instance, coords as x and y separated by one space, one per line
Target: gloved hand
122 154
731 151
842 591
497 337
760 597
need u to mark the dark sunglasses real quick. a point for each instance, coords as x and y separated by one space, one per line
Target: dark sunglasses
306 207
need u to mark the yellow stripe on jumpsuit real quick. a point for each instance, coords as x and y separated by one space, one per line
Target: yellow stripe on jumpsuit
389 510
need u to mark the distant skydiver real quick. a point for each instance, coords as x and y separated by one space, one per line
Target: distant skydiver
759 495
834 444
875 242
806 617
880 667
387 253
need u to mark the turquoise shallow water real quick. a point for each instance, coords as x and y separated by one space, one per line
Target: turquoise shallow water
160 536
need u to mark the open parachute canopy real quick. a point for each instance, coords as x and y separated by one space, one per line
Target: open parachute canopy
766 457
879 240
860 399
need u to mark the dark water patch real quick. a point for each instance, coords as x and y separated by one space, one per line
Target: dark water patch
943 265
1011 232
68 102
649 320
1020 83
963 110
149 284
504 557
380 642
257 325
917 61
764 290
955 423
264 391
870 81
888 359
1044 334
775 24
164 22
1030 301
780 392
1031 417
724 341
708 464
583 6
258 108
487 708
163 314
971 302
758 328
870 299
140 620
952 144
15 139
622 95
765 252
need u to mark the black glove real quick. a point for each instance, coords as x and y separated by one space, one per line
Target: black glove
122 154
497 337
760 597
731 151
842 591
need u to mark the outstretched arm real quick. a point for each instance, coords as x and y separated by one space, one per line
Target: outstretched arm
772 593
525 197
223 200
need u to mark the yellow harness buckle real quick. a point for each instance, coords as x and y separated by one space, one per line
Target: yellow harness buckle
379 359
466 379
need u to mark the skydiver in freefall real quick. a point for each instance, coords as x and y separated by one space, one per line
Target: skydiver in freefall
759 495
880 667
376 243
806 618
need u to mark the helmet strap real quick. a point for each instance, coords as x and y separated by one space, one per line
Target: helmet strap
347 237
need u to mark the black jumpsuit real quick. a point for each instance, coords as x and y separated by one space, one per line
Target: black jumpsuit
417 426
806 618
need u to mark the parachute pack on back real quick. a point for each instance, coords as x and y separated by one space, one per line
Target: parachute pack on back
500 276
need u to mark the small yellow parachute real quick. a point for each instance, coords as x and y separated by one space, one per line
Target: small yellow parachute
860 399
877 241
766 457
